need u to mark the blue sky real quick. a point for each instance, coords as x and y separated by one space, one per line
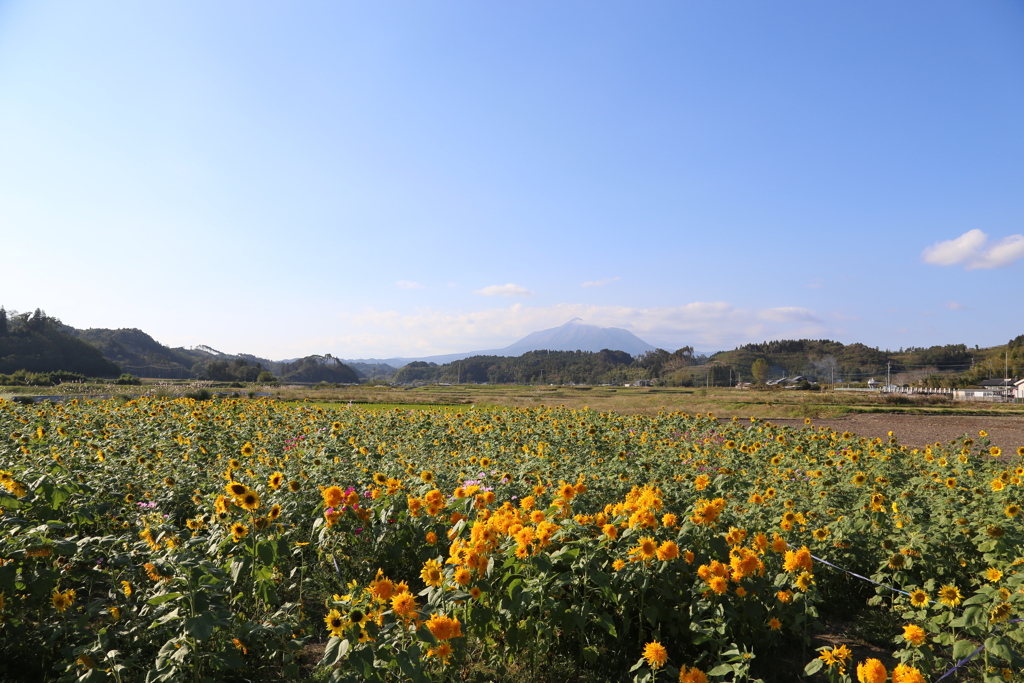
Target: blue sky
410 178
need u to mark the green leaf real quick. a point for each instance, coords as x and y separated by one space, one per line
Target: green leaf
962 648
1002 648
977 599
58 496
412 669
200 627
239 566
813 667
266 551
607 624
721 670
161 599
9 502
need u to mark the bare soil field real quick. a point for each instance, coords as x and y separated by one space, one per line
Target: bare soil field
1007 432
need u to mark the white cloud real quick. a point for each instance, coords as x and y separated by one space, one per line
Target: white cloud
707 326
787 314
504 290
953 305
1002 253
406 284
970 250
601 283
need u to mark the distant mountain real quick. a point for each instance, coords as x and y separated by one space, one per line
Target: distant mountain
574 335
141 355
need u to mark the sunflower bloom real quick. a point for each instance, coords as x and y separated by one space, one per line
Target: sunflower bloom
914 634
335 623
798 560
237 489
668 551
805 581
1000 612
950 595
655 654
692 675
333 496
442 652
918 598
444 627
404 605
647 549
431 573
904 673
872 671
61 601
836 656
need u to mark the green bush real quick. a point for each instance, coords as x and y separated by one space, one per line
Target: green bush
200 395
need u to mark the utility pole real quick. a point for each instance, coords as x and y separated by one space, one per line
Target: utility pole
888 374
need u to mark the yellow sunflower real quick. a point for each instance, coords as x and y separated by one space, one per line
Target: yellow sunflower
655 654
250 501
61 601
647 549
335 624
404 605
237 489
431 573
950 595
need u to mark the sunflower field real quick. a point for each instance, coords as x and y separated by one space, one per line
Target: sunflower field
253 540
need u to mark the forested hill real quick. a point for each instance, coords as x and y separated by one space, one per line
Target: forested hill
822 359
143 356
139 354
37 343
554 367
41 344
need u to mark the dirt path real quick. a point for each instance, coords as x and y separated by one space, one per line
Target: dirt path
918 430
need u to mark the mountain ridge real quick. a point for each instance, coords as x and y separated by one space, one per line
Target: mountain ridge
574 335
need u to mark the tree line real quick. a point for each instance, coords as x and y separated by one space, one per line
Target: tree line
552 367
